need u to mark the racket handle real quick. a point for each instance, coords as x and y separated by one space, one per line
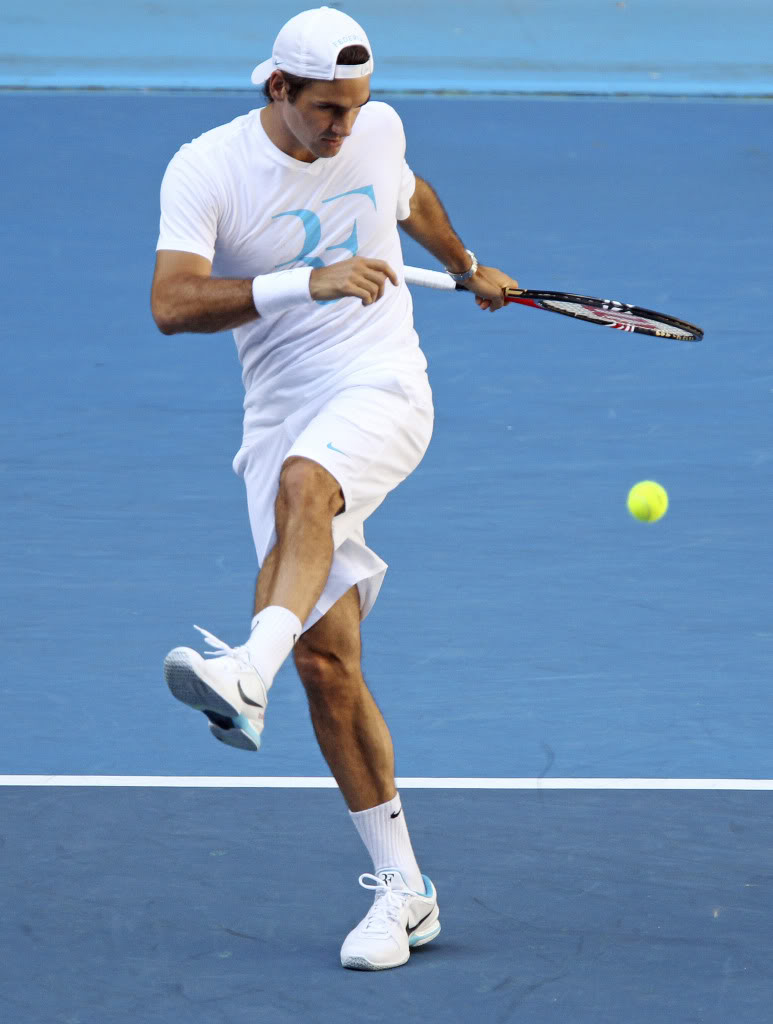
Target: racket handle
429 279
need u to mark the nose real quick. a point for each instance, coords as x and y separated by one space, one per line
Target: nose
343 125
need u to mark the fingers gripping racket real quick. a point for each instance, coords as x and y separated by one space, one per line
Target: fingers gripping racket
605 312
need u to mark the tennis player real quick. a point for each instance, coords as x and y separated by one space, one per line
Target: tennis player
282 226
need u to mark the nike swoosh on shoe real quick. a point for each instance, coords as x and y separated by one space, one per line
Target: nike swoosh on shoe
244 697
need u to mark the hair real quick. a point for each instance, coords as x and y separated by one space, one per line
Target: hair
349 55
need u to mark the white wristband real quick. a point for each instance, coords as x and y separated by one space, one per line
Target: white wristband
274 293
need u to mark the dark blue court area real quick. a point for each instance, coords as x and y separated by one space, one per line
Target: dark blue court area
204 906
528 627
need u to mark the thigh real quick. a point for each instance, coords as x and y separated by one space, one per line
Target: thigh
369 439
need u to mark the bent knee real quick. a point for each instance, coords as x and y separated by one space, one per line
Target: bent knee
308 485
325 675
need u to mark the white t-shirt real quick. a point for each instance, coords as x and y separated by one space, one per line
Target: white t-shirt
232 197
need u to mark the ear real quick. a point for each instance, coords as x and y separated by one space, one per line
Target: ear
277 86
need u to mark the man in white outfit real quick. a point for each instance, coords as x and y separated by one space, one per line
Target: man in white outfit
282 227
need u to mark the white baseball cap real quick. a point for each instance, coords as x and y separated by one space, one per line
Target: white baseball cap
308 46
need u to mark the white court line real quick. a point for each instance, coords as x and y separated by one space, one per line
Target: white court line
326 782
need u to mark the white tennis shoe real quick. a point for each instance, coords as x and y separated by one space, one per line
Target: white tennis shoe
399 920
226 688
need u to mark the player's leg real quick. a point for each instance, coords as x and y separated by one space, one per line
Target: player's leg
232 690
298 567
326 491
357 746
350 729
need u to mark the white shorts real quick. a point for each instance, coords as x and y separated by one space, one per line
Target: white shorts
370 439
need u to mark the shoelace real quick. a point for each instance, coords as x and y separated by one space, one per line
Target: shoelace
220 649
388 902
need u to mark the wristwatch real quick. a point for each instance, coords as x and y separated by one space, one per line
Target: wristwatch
461 278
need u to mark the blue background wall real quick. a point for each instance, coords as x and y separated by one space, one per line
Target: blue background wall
689 47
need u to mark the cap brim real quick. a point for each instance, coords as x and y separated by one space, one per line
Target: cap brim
263 71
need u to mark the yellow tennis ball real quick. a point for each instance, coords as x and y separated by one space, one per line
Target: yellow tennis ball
647 501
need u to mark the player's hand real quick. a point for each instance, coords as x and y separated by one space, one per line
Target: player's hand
358 277
487 285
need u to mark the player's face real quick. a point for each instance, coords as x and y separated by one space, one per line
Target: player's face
323 115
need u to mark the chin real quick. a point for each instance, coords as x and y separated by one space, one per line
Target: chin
327 151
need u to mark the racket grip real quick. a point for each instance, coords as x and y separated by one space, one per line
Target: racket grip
429 279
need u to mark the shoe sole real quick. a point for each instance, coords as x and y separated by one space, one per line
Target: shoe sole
361 963
226 723
420 938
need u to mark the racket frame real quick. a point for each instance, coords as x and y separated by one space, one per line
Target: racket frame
538 300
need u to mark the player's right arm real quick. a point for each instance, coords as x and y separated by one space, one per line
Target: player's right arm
185 296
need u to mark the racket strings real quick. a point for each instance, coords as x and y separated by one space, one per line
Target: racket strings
615 315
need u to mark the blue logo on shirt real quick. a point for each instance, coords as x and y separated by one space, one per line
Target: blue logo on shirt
312 226
333 448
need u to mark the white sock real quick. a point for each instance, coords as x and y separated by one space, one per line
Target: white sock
385 834
274 631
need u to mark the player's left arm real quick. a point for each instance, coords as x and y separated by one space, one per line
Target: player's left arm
429 225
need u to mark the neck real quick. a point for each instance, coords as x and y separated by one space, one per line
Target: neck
284 140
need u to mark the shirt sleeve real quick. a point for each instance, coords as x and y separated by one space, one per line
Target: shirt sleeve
407 188
189 208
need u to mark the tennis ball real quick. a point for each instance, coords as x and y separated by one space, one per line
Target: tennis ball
647 501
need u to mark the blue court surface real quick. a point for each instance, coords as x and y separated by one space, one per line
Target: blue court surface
528 629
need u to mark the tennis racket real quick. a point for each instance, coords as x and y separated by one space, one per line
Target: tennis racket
605 312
